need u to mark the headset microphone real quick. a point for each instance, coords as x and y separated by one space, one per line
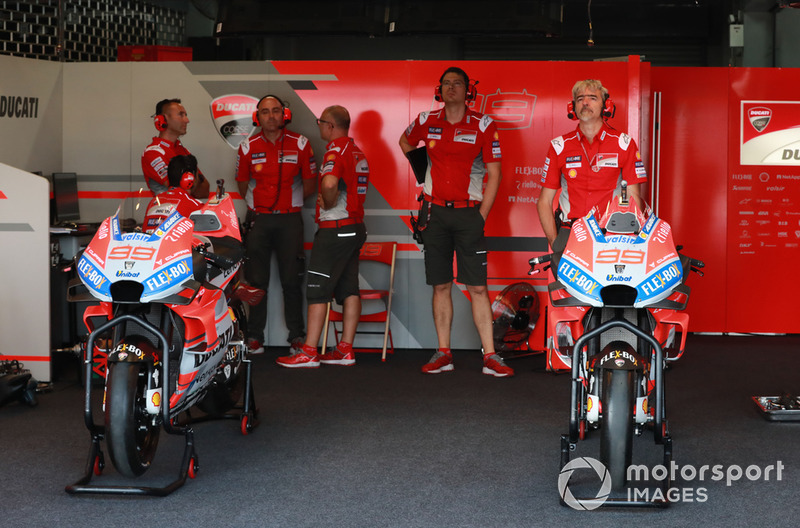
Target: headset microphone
287 113
472 92
609 108
608 111
160 122
187 180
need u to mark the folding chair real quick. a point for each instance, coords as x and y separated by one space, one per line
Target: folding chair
384 253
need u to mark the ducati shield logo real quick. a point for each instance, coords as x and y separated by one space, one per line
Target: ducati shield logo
233 117
759 117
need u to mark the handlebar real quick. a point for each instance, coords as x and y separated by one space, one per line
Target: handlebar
221 261
535 261
694 264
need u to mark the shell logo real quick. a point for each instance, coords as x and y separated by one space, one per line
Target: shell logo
589 404
572 173
156 399
432 143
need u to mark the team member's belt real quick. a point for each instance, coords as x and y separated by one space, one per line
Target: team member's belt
339 223
456 204
279 211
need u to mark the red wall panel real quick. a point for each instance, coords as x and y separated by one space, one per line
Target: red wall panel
763 204
693 198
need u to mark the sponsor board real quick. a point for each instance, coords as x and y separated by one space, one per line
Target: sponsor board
769 134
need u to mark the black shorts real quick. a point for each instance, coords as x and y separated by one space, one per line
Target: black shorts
333 270
458 230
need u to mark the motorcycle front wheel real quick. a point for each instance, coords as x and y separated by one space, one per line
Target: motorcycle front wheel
131 433
616 435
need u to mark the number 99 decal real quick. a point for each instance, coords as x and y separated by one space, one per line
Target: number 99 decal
132 253
619 256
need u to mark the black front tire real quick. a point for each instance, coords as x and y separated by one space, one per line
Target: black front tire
616 435
132 433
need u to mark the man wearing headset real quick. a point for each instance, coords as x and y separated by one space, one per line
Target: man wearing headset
333 270
170 120
587 164
463 147
275 171
182 176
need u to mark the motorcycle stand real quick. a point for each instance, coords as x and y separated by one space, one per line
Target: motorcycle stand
621 502
660 432
96 463
249 411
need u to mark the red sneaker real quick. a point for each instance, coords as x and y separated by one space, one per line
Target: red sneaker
439 362
254 346
493 365
341 354
296 345
306 358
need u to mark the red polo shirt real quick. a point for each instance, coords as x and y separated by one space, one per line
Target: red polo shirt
457 153
161 206
155 161
588 173
348 163
275 171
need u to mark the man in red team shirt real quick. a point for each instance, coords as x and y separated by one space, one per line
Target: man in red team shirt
171 121
333 270
587 164
463 147
275 171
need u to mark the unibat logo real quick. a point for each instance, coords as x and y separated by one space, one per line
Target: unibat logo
759 117
233 117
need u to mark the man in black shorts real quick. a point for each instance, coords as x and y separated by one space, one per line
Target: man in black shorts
333 270
463 148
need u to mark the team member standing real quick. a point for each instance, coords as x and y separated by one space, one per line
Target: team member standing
275 171
333 270
587 164
463 147
171 121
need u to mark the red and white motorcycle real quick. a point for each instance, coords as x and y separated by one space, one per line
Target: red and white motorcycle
172 315
617 319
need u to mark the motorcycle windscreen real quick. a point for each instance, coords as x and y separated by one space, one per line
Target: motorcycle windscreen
138 267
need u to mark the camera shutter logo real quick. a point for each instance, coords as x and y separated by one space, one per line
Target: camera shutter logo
584 463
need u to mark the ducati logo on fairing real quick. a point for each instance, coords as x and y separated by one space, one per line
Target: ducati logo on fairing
233 117
759 117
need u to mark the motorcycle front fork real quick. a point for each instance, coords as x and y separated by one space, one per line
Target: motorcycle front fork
643 402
